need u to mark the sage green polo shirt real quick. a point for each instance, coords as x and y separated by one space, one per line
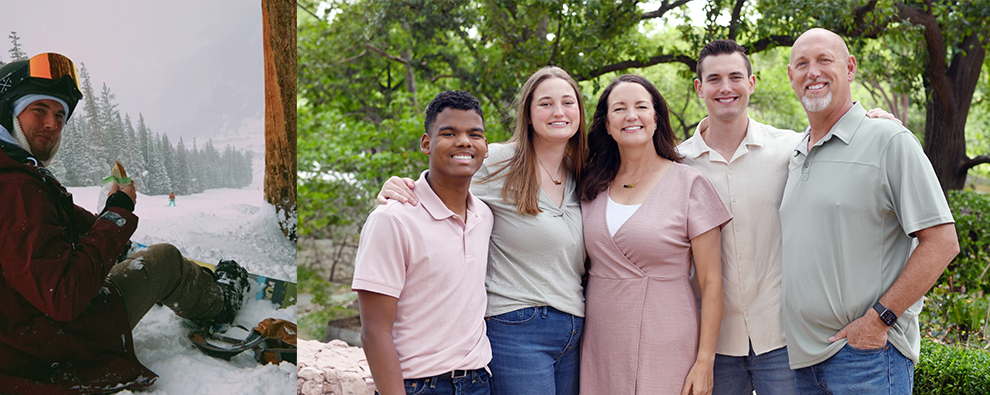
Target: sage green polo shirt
850 207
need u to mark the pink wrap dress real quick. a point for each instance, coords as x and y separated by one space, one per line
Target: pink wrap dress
642 317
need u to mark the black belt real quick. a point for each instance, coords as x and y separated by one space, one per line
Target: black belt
457 374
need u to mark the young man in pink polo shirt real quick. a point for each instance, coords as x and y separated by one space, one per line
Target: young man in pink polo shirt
420 270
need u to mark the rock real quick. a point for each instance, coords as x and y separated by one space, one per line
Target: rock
332 368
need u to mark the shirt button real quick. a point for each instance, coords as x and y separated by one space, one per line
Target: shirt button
806 164
738 228
740 257
733 198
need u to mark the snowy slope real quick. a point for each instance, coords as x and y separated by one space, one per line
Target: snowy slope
220 223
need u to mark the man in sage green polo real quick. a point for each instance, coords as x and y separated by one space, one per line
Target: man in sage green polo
860 194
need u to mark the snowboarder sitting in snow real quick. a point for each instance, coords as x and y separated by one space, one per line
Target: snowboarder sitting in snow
66 306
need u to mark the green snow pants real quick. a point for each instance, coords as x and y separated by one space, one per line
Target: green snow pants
161 274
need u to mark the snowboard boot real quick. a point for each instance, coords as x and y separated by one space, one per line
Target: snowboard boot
233 282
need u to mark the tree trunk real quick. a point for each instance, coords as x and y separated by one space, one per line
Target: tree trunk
950 97
279 36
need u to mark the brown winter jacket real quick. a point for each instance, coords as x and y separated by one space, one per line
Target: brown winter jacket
63 327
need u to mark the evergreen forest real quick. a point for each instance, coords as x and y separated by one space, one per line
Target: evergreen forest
97 134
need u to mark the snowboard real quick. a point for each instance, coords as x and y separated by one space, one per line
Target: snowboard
280 292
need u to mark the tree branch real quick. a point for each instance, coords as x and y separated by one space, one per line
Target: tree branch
629 64
935 45
308 11
970 163
663 9
769 42
355 57
734 22
862 29
437 78
385 54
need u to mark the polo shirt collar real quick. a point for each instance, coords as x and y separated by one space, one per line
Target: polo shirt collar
845 129
695 146
433 205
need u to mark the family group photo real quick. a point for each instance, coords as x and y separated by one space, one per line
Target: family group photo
495 197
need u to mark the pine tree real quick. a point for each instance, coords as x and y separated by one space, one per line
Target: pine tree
15 51
132 151
181 180
81 167
144 141
168 159
157 179
109 133
195 169
93 168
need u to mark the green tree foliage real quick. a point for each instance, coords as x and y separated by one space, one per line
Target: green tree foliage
942 42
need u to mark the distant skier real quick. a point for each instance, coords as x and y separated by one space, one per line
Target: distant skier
67 309
171 199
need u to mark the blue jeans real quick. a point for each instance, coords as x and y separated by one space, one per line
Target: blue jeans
855 371
475 383
767 373
535 350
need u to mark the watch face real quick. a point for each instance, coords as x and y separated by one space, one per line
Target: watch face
888 317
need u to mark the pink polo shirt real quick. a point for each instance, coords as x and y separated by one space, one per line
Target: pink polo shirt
434 262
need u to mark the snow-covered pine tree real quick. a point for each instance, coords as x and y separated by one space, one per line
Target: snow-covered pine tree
181 180
92 170
195 175
157 179
16 53
167 153
110 133
132 152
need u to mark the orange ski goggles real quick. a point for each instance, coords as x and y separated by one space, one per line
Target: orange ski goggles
46 66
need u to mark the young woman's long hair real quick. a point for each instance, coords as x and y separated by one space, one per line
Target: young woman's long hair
522 185
603 161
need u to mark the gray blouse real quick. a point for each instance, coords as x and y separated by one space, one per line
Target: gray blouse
532 260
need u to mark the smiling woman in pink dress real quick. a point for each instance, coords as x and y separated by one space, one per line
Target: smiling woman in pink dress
646 218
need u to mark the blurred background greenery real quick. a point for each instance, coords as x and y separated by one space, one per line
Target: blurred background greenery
367 69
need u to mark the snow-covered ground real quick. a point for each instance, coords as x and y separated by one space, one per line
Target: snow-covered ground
220 223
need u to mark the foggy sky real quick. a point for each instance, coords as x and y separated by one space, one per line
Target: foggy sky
192 68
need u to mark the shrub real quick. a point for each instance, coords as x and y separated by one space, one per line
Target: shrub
950 370
967 273
957 309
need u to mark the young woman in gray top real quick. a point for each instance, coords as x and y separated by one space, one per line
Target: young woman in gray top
535 313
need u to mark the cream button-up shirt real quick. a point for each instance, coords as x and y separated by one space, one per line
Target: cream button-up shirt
751 183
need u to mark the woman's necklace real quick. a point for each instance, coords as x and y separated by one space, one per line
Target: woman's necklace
555 182
633 185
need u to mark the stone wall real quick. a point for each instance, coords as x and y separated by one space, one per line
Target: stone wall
332 368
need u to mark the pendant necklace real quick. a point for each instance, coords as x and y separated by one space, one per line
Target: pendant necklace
633 185
555 182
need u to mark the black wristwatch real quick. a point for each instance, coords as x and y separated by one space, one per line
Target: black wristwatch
888 317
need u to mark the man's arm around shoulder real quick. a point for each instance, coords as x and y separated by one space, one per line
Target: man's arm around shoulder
377 317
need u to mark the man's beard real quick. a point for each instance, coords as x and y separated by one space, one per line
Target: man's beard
816 104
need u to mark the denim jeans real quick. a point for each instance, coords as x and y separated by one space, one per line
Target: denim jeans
475 383
535 350
855 371
767 373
